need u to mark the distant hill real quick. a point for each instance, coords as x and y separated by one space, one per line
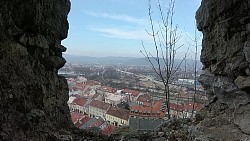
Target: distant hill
120 60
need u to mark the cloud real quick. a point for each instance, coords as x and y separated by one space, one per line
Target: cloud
121 17
122 33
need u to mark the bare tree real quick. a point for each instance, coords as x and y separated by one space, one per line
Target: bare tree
165 38
195 44
195 40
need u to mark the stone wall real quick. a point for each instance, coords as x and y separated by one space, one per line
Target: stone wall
225 25
33 98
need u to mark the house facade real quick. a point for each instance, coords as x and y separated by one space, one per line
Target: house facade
153 111
77 104
98 109
117 116
184 110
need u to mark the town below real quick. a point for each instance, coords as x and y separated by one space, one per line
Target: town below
109 97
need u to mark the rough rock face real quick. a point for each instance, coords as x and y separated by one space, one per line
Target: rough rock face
32 96
225 25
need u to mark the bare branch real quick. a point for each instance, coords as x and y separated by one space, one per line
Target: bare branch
165 44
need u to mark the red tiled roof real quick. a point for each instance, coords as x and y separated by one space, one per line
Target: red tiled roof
142 111
157 105
75 116
99 104
118 112
132 92
144 98
108 130
79 101
189 106
185 107
85 119
82 121
82 87
107 89
95 96
176 107
97 123
77 124
147 104
92 83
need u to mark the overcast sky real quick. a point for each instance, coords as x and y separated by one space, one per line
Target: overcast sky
117 27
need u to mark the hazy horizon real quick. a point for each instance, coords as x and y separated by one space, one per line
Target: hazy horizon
117 27
117 56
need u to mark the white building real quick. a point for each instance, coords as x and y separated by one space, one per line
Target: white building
114 99
186 81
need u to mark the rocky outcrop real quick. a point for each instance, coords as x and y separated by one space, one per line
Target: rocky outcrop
32 95
225 25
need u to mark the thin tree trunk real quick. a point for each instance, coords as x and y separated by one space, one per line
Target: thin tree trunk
195 74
